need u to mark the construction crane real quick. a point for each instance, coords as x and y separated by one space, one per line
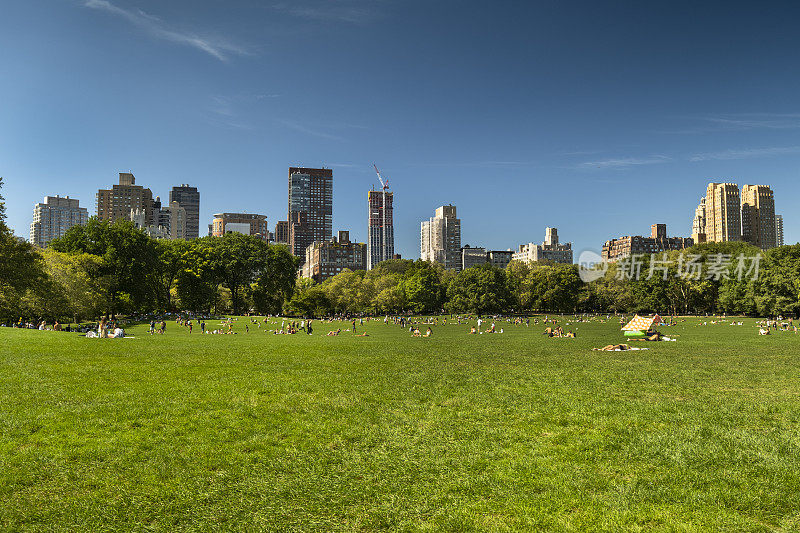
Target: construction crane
384 187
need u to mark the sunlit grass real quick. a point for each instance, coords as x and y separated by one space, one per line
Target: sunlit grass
453 432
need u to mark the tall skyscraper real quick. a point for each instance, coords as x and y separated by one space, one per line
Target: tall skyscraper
699 223
380 240
118 202
310 208
758 216
189 199
723 212
778 230
440 238
53 217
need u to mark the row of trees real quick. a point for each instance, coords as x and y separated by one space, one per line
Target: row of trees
107 268
732 278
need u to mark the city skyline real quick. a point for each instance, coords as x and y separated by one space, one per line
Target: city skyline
592 111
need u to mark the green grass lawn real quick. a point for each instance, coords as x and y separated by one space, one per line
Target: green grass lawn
454 432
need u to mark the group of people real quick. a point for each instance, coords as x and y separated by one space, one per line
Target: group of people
107 329
477 331
558 331
162 327
416 333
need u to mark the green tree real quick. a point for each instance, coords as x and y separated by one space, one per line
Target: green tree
776 291
344 289
276 282
241 260
170 262
308 299
129 259
77 284
197 284
423 288
482 289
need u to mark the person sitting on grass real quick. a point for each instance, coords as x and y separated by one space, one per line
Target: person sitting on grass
416 333
762 331
570 334
548 331
429 332
472 331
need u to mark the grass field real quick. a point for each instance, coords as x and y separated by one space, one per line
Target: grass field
454 432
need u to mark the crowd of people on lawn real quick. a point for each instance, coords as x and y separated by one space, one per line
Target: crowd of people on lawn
419 326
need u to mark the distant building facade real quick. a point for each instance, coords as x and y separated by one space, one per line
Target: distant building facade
118 202
658 241
779 230
758 216
154 231
245 223
310 207
699 223
281 234
175 220
476 256
499 258
440 238
550 250
328 258
472 256
189 199
380 227
53 217
723 212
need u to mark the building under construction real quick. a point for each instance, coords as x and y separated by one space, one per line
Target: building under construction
380 239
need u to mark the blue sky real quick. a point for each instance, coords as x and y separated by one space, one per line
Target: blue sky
599 118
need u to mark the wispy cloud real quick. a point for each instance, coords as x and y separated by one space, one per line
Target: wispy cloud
625 162
309 131
745 153
158 29
222 105
740 122
352 11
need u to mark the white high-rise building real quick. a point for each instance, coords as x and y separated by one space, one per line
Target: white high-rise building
53 217
699 223
550 250
440 238
778 230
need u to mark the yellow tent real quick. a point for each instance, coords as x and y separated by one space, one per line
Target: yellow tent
640 324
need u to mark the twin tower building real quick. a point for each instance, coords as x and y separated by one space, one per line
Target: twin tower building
727 213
